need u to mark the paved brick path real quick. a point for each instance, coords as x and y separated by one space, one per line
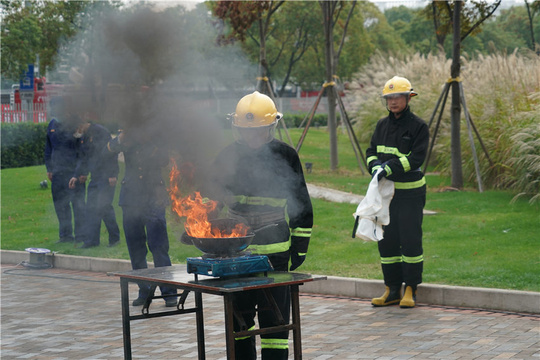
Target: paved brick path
61 314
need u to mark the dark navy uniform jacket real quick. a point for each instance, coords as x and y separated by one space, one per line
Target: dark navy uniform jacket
62 150
143 184
402 144
267 179
101 163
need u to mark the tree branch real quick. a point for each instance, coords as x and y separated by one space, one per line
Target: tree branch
349 16
479 22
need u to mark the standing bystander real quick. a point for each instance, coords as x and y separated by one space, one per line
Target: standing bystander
143 198
398 146
62 160
103 168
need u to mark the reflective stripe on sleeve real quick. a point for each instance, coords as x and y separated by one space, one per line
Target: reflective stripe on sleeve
301 232
371 158
405 163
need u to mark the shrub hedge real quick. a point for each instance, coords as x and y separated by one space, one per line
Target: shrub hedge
23 144
291 120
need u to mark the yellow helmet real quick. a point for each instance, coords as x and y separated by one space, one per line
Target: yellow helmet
398 85
256 110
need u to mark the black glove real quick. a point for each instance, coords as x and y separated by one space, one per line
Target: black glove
383 173
296 260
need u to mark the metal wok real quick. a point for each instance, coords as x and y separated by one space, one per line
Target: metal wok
225 246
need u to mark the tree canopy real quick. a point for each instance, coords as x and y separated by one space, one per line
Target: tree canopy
32 28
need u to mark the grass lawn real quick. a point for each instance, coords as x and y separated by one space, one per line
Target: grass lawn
475 239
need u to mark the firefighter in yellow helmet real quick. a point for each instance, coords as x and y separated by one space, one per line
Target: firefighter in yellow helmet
255 120
399 146
260 180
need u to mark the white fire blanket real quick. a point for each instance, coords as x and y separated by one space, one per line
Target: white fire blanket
373 210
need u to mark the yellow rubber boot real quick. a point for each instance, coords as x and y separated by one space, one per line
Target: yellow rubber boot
409 298
391 296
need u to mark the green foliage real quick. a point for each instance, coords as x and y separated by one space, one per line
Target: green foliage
33 27
525 160
295 120
498 33
515 21
23 144
475 239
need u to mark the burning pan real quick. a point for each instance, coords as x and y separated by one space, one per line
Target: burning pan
226 246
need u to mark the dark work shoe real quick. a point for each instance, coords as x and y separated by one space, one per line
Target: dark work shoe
140 301
87 246
170 301
65 239
114 243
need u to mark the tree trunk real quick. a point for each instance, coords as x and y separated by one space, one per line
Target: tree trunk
262 85
327 9
533 41
457 171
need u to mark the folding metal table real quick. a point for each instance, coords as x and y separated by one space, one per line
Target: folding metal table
177 277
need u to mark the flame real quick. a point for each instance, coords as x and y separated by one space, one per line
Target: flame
195 208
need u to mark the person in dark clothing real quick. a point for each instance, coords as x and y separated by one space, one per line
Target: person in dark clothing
143 198
103 168
260 180
62 160
399 146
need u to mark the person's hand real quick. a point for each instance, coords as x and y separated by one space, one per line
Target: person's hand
296 260
83 178
381 174
112 181
49 176
121 137
73 182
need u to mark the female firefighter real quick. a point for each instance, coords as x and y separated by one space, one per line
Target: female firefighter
399 146
260 180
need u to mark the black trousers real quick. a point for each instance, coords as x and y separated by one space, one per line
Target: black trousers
99 207
147 226
65 201
401 248
274 346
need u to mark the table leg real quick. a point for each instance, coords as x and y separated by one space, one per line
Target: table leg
125 317
297 336
229 326
200 325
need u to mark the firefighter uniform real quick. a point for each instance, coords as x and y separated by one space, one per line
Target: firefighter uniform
102 166
265 185
62 160
399 146
143 198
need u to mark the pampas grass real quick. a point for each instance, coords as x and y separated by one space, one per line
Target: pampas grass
502 92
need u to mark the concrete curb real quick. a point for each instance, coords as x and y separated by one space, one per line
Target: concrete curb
459 296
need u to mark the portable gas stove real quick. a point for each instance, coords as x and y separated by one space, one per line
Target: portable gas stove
242 264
